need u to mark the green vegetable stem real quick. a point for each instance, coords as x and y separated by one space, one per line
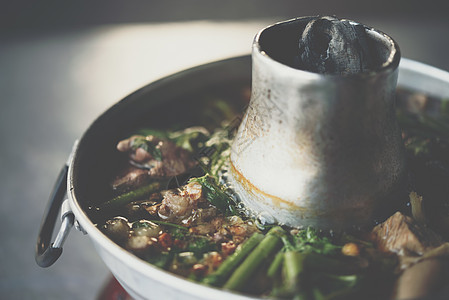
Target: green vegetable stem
267 247
275 266
224 271
131 196
292 268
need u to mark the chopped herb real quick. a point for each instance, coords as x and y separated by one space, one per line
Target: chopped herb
220 142
162 134
170 225
215 194
141 142
215 111
143 224
423 131
191 139
308 240
200 245
178 233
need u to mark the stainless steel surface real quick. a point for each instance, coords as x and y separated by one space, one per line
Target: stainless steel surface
313 149
46 254
139 278
54 84
67 223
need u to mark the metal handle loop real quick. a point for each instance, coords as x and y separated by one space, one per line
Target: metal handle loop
46 252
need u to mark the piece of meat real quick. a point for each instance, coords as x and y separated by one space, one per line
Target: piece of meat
180 204
423 279
212 261
226 229
209 228
129 178
161 158
228 248
402 235
203 229
199 270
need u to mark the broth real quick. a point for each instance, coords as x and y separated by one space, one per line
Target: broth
180 214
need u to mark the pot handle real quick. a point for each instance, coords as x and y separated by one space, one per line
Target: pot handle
46 252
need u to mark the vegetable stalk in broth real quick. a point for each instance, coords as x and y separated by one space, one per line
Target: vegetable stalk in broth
172 207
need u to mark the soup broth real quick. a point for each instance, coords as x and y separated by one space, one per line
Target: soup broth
167 201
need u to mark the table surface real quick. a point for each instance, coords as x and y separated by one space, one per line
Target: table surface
54 84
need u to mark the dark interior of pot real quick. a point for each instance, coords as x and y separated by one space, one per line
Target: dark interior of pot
283 42
173 103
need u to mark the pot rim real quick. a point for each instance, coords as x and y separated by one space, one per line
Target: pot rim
390 64
411 71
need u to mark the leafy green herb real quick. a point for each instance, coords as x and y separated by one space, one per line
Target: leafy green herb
162 134
143 224
308 240
179 233
191 139
221 145
311 266
141 142
215 194
215 111
200 245
327 286
170 225
423 130
427 145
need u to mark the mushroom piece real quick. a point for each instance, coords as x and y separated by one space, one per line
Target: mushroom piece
151 157
427 277
161 157
181 204
424 259
402 235
117 229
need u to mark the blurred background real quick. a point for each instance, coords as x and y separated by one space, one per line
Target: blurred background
62 63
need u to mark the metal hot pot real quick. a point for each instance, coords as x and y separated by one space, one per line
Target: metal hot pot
159 104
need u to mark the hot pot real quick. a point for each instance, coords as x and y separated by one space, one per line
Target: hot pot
159 104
